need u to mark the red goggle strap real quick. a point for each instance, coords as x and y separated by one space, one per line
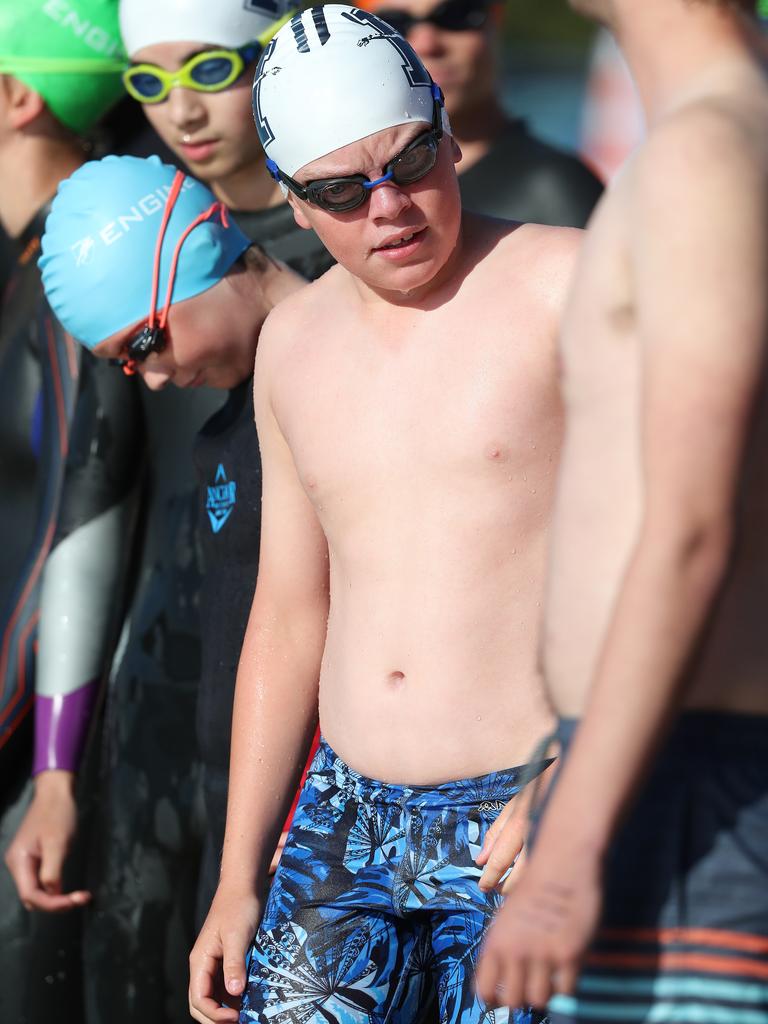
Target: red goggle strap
212 210
170 202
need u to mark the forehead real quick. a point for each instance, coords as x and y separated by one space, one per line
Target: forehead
370 153
416 7
171 55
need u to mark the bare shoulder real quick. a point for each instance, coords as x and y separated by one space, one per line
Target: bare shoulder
541 260
716 144
296 318
534 256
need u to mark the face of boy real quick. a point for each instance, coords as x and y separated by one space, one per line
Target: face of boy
204 345
212 132
402 236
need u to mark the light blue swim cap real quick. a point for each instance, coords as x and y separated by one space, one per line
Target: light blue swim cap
98 250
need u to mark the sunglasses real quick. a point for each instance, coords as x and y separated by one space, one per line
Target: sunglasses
337 195
451 15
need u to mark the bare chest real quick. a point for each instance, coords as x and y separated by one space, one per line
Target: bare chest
599 350
443 406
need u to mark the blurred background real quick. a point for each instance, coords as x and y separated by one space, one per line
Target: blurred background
568 81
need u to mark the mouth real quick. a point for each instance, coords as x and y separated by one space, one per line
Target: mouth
199 149
402 244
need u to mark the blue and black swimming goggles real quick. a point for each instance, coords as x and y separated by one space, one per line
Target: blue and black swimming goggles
413 163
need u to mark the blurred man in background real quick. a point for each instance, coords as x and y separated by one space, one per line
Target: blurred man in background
504 171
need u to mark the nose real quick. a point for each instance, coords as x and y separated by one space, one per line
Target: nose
155 373
388 201
185 109
426 39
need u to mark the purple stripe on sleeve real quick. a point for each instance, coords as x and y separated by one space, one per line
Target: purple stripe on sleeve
61 725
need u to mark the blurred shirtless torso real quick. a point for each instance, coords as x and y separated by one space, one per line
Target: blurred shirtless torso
599 504
427 441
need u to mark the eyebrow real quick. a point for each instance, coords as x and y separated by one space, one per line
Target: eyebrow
426 129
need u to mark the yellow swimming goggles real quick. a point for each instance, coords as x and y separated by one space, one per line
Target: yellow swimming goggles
208 71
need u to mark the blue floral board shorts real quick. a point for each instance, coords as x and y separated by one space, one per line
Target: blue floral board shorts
375 908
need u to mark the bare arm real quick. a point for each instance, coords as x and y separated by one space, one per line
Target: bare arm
699 266
275 708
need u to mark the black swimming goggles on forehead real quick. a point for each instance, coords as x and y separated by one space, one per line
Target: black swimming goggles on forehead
450 15
341 194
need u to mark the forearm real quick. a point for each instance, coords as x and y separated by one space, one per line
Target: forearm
82 589
665 600
274 719
84 576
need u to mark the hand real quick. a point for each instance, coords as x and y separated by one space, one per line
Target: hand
278 853
503 846
36 856
217 961
535 946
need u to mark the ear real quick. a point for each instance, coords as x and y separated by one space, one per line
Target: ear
23 104
298 211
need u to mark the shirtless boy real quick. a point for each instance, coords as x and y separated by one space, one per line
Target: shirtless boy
655 615
409 422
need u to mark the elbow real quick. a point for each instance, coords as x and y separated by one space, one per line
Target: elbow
700 552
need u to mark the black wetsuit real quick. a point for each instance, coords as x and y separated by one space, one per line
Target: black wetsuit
134 445
278 234
38 383
230 538
229 468
522 178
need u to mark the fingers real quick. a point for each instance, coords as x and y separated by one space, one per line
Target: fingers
514 876
216 977
278 853
502 856
51 865
234 966
487 975
205 1004
25 868
537 983
565 978
493 832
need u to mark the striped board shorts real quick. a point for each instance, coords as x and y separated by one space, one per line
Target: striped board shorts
684 935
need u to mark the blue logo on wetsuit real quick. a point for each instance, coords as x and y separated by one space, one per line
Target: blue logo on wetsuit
222 496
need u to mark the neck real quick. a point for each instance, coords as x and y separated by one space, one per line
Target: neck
45 161
476 128
677 48
248 188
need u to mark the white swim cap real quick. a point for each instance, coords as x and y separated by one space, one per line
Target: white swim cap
332 76
230 23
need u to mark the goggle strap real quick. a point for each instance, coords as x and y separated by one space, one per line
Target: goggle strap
170 202
212 210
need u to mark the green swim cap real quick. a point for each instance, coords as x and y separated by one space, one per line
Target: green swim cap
68 51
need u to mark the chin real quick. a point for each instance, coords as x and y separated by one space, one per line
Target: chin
402 280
